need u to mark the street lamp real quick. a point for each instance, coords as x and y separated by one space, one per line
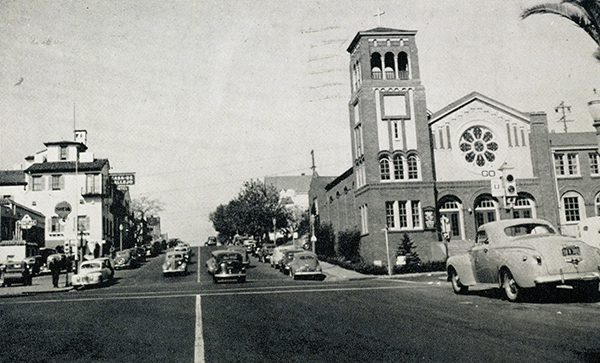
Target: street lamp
121 236
594 108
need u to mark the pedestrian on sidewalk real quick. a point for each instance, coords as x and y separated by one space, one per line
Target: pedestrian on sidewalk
54 270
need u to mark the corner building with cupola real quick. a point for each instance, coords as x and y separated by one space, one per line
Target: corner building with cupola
437 174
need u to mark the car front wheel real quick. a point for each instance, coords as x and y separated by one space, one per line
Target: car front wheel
456 284
512 291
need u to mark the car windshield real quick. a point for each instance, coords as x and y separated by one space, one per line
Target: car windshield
306 257
89 266
175 256
529 229
231 257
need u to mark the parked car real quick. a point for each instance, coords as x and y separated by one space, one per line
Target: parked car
518 254
288 257
250 245
45 252
62 260
15 272
226 265
211 241
94 272
242 251
266 251
34 263
125 259
184 250
175 263
305 264
277 255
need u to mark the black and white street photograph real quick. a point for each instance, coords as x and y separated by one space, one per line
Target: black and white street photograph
226 181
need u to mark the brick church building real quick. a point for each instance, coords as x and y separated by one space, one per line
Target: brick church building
426 174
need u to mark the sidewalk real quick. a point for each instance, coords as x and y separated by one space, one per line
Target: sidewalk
40 284
335 273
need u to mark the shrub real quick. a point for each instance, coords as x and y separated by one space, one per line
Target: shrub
349 245
325 245
406 249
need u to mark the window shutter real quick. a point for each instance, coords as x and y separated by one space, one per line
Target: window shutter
62 182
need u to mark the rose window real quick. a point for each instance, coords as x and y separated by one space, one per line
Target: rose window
478 145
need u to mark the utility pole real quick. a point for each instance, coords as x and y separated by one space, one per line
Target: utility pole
563 108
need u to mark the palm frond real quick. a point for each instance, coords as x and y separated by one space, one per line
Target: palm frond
573 10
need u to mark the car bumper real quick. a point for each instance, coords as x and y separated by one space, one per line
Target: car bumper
568 278
84 281
308 273
173 270
230 275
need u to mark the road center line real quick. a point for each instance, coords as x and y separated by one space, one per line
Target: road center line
199 344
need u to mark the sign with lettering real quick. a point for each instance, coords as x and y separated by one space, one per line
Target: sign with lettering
27 222
123 178
62 209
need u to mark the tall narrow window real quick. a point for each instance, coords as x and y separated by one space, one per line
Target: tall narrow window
413 167
594 168
63 153
402 214
55 225
384 168
572 164
57 182
559 164
398 168
389 215
572 209
403 66
37 182
416 214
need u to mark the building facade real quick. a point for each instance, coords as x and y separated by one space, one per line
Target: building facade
443 174
66 176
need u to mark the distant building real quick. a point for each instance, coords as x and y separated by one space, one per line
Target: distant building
293 190
154 228
17 222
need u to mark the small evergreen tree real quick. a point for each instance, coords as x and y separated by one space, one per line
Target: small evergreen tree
406 248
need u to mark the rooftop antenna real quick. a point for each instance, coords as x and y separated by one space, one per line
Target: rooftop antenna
313 167
378 14
562 107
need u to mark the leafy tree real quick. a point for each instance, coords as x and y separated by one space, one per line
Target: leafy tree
584 13
251 212
142 208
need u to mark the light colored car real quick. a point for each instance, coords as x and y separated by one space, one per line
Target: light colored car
288 257
94 272
305 264
226 265
174 263
124 259
185 250
278 252
518 254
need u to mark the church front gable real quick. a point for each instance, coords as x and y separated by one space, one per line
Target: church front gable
478 139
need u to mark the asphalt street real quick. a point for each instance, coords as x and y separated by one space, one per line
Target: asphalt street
143 316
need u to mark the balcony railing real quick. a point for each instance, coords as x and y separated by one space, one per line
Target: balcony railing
376 75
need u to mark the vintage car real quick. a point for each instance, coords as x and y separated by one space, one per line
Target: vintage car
242 251
266 251
277 255
226 265
211 241
175 263
305 264
519 254
288 257
125 259
15 272
97 272
184 250
35 264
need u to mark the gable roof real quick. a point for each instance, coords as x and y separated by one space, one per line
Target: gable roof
472 97
299 183
12 177
66 166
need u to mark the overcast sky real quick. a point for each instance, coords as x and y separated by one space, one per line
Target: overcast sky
197 97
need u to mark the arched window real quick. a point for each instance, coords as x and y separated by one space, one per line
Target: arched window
390 67
597 204
573 205
451 208
403 66
524 207
486 210
384 169
398 167
413 167
376 66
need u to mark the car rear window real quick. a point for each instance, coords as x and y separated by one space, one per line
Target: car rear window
528 229
88 266
306 257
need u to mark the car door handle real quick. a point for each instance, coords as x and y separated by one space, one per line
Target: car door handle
485 250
